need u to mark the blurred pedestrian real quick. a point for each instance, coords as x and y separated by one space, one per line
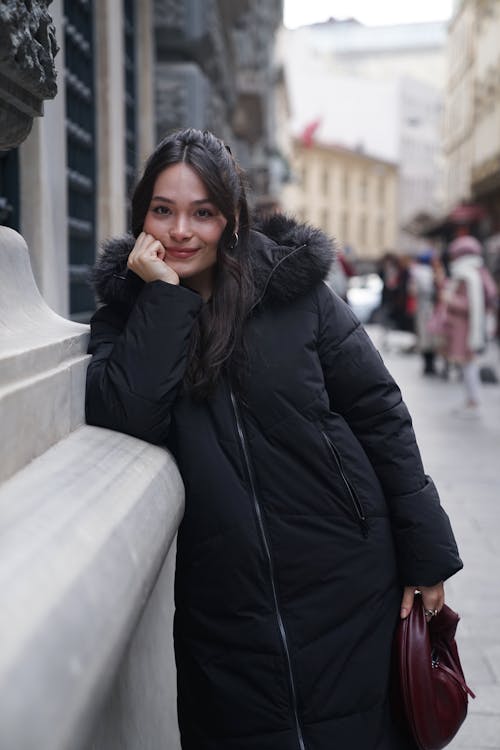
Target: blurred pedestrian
342 271
406 300
389 273
496 314
423 288
398 304
467 295
436 321
309 519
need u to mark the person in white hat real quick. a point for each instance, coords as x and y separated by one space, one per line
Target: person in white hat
468 294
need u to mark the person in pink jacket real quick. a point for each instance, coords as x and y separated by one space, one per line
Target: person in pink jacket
467 295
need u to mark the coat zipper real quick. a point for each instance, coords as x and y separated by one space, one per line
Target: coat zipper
272 272
358 509
265 542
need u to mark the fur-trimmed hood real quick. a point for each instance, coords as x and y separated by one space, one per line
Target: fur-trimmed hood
288 259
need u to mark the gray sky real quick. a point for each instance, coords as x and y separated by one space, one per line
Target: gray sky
369 12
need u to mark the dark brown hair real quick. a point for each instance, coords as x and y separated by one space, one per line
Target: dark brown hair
217 338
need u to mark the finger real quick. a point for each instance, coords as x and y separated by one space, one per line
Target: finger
137 248
407 601
160 250
145 250
432 599
152 247
430 609
143 245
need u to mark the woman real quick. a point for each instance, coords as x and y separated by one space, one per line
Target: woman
466 297
309 519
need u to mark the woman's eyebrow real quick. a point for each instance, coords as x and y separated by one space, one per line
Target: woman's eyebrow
170 200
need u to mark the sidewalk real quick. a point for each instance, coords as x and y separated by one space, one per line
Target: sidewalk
463 457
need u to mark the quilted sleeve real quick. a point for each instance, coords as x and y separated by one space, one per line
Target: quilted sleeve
362 390
138 362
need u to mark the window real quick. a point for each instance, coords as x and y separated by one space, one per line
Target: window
381 233
303 176
325 180
130 98
9 189
345 185
381 191
344 228
81 150
363 188
362 230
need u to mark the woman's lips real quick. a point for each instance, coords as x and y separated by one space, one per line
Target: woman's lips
181 252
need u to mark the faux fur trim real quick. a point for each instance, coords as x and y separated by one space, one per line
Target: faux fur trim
112 281
288 259
296 258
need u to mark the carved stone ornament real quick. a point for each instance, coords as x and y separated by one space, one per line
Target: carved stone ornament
27 71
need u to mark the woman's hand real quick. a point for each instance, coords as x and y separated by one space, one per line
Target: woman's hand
432 599
147 260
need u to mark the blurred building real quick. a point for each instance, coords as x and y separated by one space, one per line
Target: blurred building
472 121
129 71
377 89
414 50
215 68
349 194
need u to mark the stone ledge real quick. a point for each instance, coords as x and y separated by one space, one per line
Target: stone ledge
43 362
84 530
26 322
29 361
22 308
37 412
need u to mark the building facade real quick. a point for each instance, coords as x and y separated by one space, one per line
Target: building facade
69 180
472 122
128 72
350 195
459 105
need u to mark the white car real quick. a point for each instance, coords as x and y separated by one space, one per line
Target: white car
364 295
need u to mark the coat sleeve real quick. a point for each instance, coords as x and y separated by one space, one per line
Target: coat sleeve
361 389
139 362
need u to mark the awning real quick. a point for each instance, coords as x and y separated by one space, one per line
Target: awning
424 225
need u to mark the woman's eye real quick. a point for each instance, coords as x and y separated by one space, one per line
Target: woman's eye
162 210
204 213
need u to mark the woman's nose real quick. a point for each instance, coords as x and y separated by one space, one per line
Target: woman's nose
180 228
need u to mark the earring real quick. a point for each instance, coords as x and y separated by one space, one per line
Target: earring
234 241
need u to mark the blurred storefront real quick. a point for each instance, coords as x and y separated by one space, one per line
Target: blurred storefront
129 71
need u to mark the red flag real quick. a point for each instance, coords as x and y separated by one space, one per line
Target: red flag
307 136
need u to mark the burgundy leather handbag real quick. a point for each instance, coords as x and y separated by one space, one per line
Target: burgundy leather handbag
432 692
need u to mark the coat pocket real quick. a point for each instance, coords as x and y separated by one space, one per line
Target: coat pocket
357 507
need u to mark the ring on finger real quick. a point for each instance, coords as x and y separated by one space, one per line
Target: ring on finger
430 612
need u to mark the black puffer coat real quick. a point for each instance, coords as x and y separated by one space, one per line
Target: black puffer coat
307 507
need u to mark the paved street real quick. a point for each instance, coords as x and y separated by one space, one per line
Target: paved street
463 457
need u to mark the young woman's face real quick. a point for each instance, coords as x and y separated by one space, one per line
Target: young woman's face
188 225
